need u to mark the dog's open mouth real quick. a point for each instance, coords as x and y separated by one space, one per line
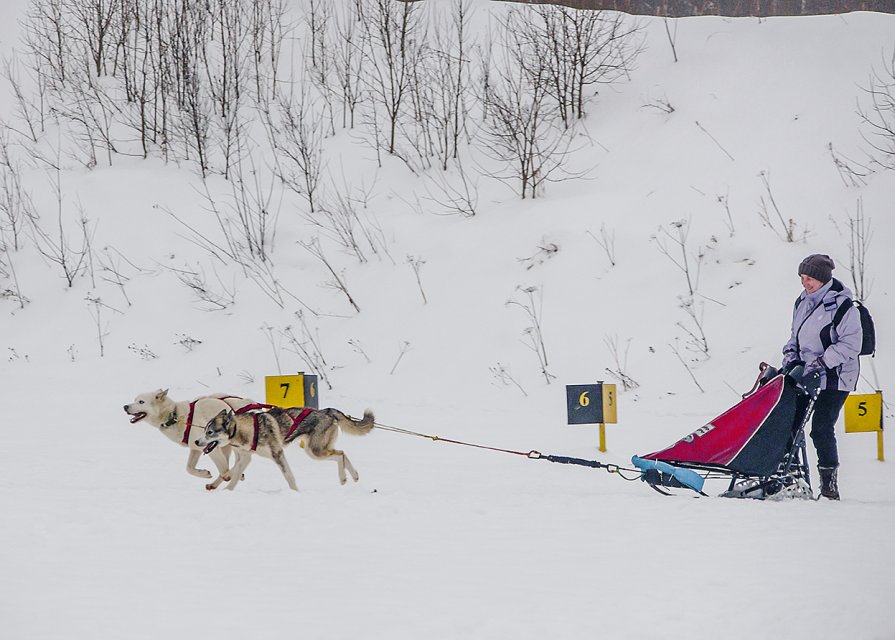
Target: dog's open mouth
136 417
210 446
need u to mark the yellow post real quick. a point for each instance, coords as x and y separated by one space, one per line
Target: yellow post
602 437
880 454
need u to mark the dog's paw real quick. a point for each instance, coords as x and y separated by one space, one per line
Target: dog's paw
203 473
211 486
225 477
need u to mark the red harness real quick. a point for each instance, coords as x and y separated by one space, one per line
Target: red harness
297 421
257 429
258 407
189 424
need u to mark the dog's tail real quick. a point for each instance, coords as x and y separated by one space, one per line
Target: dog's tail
357 427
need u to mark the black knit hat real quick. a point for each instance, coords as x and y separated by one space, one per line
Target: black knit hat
817 266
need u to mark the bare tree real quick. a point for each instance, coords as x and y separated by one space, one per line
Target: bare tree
439 90
46 38
269 30
28 108
395 39
8 269
458 79
878 117
92 28
341 218
672 35
520 126
56 245
453 193
256 207
16 207
348 60
187 71
578 48
296 133
319 57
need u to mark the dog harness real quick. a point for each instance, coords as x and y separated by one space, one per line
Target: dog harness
189 422
297 421
258 407
257 430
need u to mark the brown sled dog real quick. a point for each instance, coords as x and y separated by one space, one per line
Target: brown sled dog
269 432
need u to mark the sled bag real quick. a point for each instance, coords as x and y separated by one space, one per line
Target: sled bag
750 438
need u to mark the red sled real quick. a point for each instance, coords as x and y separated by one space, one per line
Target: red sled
759 444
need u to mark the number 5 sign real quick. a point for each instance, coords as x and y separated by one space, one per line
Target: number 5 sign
864 413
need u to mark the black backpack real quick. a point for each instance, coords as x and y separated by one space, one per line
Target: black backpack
868 345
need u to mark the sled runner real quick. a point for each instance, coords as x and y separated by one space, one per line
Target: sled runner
758 444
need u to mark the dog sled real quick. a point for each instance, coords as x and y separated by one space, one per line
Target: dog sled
757 446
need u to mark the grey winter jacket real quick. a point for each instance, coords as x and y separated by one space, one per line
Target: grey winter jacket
814 336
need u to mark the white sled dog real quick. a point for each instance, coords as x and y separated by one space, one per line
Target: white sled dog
181 421
268 433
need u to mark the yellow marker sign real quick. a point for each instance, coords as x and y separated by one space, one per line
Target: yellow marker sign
610 408
298 390
864 413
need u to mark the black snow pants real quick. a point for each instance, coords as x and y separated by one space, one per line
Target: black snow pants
823 423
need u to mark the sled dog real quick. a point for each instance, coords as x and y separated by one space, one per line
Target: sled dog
268 433
181 420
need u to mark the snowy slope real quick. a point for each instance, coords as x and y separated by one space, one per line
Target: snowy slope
105 536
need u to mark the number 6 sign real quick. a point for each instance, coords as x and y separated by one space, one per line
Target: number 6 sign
592 404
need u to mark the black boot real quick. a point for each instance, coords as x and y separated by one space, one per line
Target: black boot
829 482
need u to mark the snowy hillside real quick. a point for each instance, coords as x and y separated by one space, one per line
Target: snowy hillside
106 536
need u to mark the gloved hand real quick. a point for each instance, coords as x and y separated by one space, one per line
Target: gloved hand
811 376
788 366
815 367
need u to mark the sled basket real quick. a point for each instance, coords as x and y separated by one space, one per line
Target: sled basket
760 440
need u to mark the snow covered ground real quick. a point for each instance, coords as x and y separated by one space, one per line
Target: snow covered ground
104 535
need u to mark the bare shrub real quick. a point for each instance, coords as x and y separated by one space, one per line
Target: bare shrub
859 237
878 117
620 358
532 305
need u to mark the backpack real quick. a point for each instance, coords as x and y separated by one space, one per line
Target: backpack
868 345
